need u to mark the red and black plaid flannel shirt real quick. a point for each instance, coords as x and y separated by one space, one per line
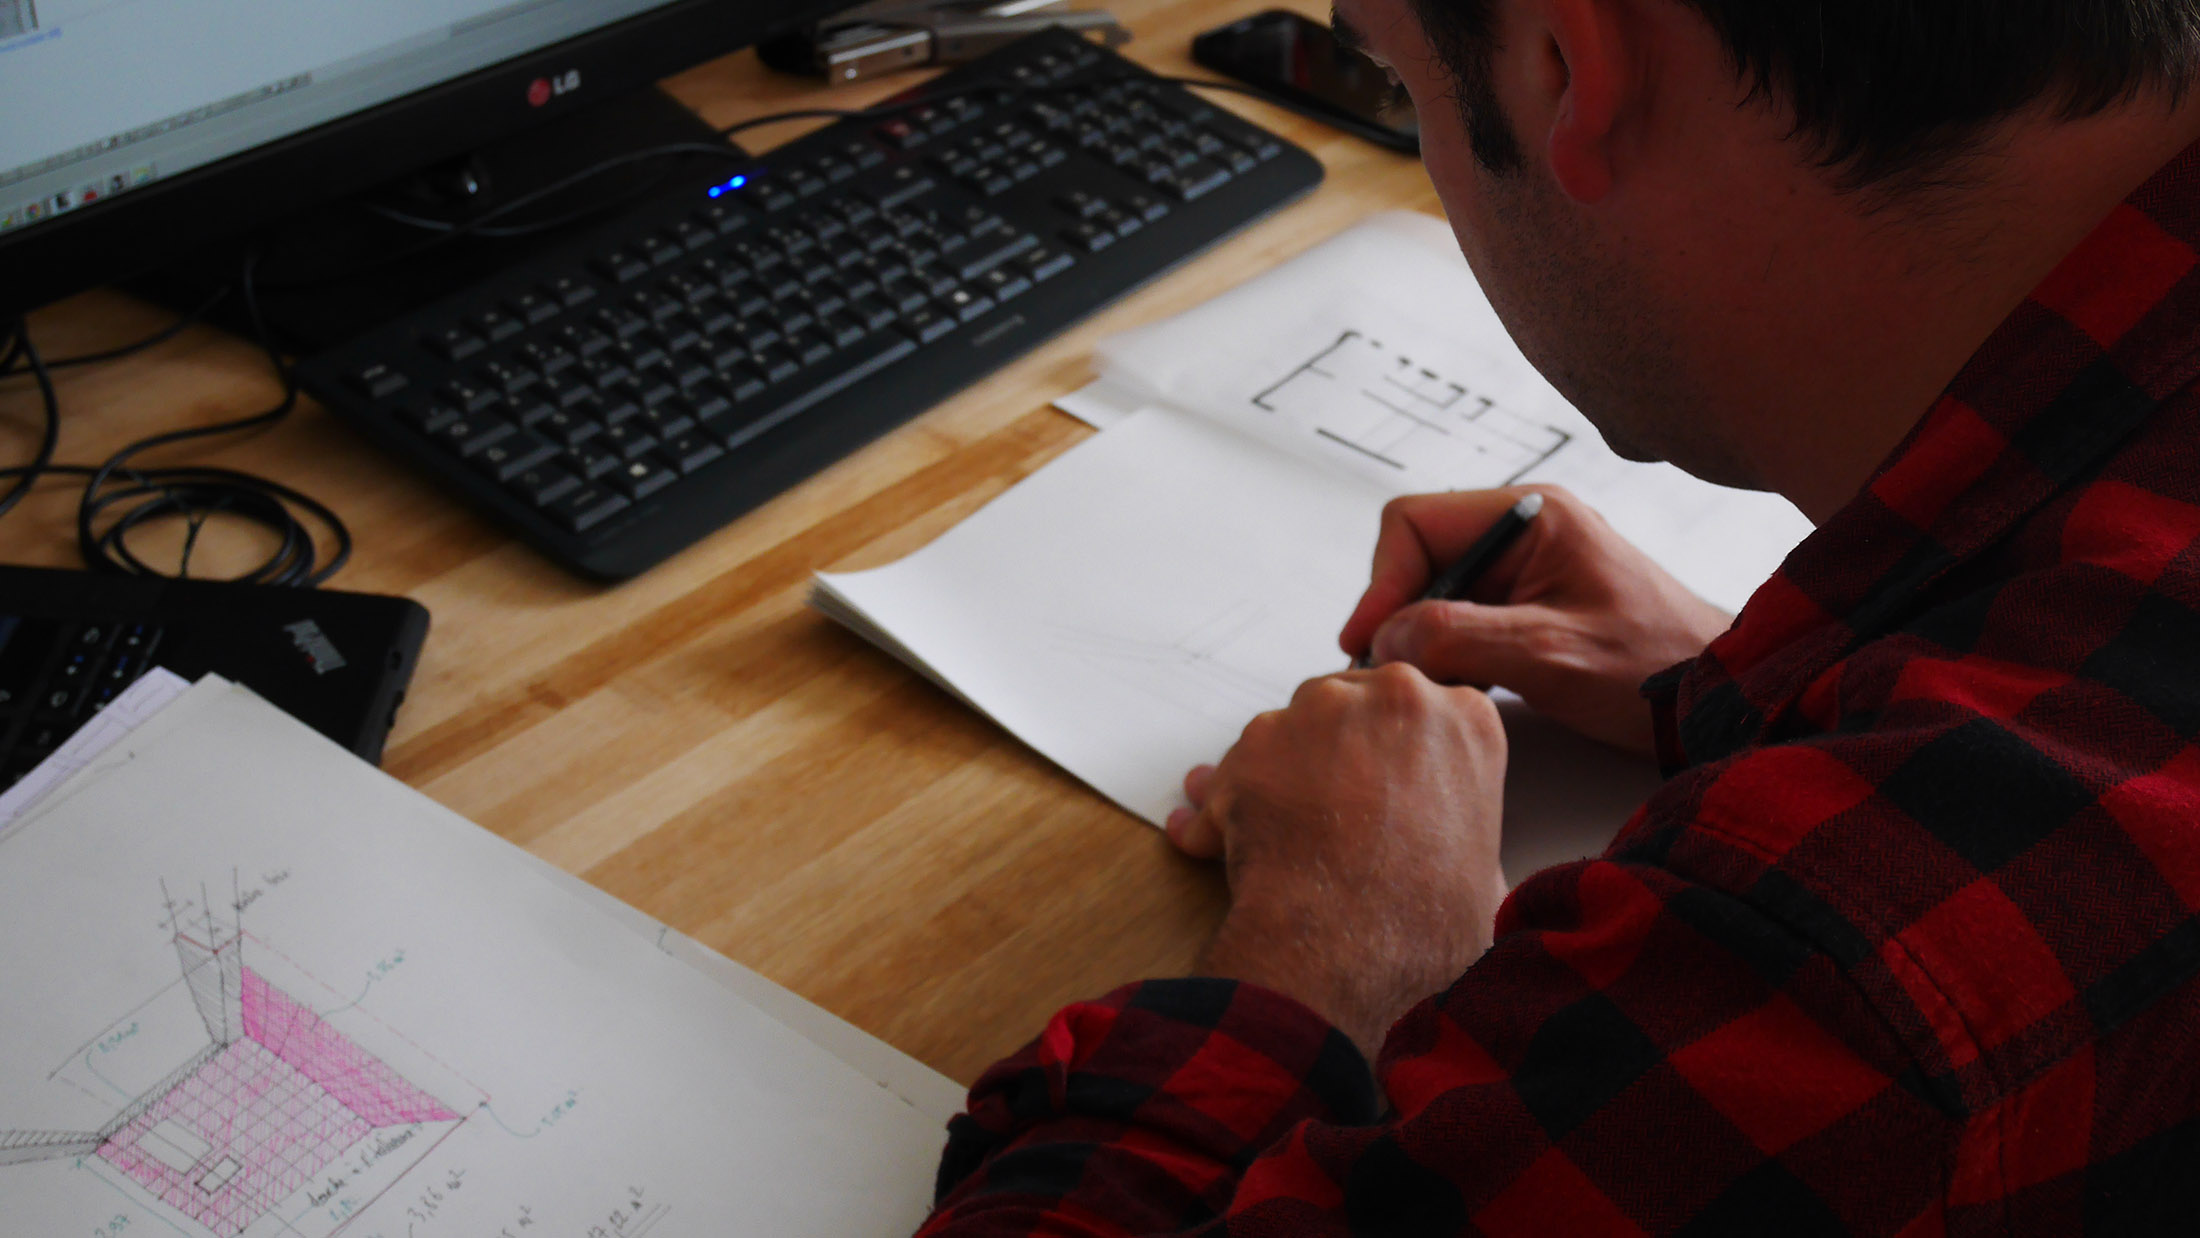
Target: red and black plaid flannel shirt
1907 945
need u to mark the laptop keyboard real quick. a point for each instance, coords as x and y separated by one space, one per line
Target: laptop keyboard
55 673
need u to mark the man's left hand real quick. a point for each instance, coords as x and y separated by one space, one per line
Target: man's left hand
1359 828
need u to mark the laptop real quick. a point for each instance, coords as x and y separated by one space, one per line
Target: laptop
70 642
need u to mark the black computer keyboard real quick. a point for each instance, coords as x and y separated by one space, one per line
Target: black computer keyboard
629 394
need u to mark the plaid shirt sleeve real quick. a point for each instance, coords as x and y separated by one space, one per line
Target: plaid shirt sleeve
1635 1049
1909 944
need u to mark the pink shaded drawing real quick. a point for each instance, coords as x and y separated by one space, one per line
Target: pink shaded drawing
250 1108
254 1120
357 1080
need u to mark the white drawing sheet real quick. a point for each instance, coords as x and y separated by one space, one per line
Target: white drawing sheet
256 987
1128 608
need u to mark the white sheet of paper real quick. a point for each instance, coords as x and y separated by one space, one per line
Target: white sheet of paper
138 702
486 1054
1127 609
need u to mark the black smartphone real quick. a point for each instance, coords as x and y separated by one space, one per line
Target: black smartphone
1301 64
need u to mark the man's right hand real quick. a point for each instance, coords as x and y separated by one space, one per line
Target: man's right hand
1573 617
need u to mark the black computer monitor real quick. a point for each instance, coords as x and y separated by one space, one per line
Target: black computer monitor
135 132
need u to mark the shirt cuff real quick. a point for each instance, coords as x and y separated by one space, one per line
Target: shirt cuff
1220 1069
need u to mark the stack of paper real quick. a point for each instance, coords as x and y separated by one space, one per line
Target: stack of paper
256 987
1127 609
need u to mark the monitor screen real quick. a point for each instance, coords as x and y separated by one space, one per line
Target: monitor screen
103 98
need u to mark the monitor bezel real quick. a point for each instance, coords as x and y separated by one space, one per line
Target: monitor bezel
161 222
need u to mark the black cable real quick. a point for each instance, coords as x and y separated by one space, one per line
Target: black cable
11 362
119 499
50 404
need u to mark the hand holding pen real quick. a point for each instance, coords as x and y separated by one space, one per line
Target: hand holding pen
1454 582
1573 618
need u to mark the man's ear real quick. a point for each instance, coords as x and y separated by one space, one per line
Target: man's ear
1587 73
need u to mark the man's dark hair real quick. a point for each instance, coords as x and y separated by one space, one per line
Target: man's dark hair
1887 91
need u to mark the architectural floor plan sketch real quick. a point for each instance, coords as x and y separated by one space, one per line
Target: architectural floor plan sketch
1204 671
276 1110
1364 397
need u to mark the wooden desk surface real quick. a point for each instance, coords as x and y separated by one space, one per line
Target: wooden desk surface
698 742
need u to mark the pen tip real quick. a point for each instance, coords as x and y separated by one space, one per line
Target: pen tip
1528 506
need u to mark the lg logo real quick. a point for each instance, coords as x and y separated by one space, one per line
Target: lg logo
543 89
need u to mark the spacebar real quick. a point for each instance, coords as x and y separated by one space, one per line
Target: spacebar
876 351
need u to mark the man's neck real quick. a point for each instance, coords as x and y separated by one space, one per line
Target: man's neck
1875 312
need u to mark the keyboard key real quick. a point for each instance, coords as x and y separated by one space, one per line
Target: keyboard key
873 313
591 460
621 266
925 324
1145 206
723 217
583 509
997 249
1197 181
861 153
905 295
900 134
640 478
468 397
470 434
570 290
542 485
453 343
1045 262
689 452
667 420
1081 205
513 454
844 330
790 240
543 358
559 391
627 438
619 323
1001 283
505 375
528 410
693 235
533 307
965 303
900 185
428 418
1090 236
566 428
379 381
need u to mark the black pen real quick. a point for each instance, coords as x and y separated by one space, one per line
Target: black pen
1452 583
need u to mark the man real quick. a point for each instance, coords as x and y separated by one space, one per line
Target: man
1907 944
